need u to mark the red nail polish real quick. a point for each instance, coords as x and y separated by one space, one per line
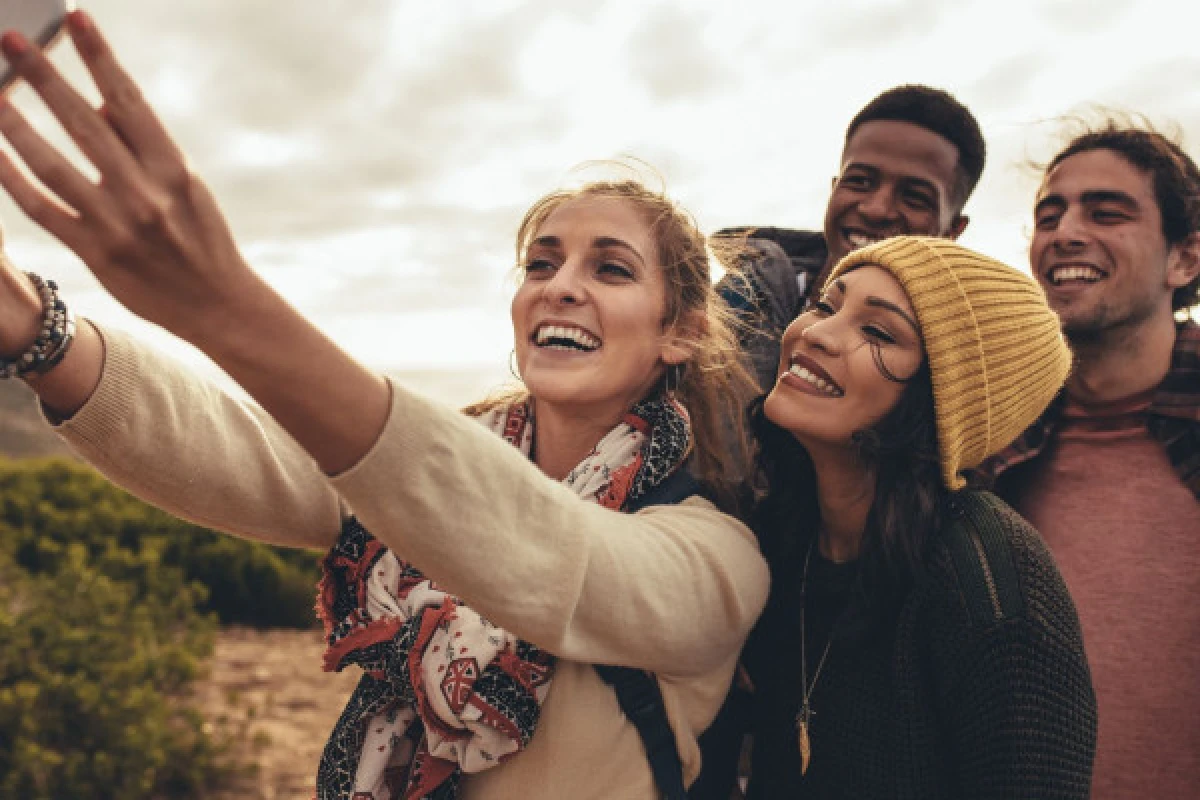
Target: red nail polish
14 43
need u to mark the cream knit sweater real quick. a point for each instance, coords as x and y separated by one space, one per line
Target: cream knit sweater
671 589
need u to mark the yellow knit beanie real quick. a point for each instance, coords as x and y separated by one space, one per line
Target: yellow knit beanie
996 354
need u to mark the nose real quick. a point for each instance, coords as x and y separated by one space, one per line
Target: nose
879 207
567 287
822 334
1070 233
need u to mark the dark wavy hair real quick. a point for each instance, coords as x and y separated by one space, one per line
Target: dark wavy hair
907 509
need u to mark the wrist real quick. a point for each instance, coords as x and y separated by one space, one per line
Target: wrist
54 336
226 318
24 313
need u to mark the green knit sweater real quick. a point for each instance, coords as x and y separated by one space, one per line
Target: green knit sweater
980 690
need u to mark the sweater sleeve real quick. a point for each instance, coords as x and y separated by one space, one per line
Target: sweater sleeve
188 446
1021 719
672 589
1014 689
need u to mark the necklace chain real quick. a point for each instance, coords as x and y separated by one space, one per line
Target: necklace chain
806 713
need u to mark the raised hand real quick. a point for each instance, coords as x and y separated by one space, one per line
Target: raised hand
149 229
151 232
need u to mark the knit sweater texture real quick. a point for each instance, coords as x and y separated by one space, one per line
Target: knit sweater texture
672 589
980 689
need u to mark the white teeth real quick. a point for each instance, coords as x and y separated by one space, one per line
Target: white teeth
804 374
858 240
547 333
1061 275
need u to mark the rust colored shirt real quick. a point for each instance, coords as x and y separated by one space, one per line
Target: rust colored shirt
1125 531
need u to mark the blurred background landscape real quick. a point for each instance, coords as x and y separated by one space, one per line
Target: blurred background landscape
140 656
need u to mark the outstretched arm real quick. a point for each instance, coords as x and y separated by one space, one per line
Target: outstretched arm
670 589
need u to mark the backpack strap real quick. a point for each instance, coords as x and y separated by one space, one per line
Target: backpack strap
642 702
637 690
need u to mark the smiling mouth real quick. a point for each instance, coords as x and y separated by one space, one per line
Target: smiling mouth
564 337
1074 273
821 382
858 239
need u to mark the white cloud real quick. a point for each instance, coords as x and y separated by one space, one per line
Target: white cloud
375 157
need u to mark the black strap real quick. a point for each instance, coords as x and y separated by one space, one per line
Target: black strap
642 702
637 691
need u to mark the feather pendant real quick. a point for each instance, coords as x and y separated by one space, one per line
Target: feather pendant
804 744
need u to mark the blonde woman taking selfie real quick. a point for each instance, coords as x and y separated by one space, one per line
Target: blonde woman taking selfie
491 568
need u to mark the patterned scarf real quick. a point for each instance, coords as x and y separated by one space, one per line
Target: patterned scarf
443 690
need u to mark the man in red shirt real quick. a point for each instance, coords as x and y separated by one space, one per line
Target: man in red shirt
1111 475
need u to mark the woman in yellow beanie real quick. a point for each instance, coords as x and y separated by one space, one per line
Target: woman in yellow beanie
919 641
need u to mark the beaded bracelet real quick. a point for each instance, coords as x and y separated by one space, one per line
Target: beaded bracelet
53 340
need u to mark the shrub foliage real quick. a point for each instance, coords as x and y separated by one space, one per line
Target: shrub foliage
107 612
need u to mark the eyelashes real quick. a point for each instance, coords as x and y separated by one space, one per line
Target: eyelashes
881 365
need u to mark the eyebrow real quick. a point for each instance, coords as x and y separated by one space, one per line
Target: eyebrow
879 302
599 243
1095 196
1090 197
887 305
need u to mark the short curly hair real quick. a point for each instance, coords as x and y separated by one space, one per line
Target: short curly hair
1175 176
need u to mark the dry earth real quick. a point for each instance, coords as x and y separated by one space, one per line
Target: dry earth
272 683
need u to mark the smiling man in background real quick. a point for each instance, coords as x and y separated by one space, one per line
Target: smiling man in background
1111 475
911 158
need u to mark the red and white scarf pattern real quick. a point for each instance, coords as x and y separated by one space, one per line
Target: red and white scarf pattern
445 691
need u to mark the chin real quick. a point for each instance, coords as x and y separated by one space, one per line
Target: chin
784 414
555 392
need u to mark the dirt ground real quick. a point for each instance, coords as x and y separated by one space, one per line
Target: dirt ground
271 682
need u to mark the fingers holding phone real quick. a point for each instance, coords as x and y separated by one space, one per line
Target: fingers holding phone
39 21
149 230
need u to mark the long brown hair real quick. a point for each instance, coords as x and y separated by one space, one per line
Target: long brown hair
714 383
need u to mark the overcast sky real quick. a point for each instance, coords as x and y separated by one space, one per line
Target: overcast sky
375 156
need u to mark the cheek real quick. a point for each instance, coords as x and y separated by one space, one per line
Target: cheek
1038 244
520 306
790 336
925 222
839 201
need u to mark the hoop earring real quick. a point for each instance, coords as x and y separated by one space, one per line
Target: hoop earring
512 365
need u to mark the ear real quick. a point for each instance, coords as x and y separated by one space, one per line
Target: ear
679 340
1183 265
957 226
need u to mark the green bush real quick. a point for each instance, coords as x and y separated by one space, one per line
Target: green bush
46 505
91 673
107 613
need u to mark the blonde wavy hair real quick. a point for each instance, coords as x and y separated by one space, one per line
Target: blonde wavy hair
714 383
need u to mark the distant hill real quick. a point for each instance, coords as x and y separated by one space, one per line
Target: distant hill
23 432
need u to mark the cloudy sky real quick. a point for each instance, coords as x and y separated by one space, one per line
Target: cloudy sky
375 156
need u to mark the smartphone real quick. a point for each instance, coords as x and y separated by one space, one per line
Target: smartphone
40 21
